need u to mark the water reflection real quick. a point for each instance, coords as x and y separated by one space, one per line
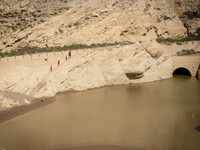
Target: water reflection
160 115
198 128
105 147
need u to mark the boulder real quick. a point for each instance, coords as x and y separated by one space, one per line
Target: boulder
24 3
153 48
135 66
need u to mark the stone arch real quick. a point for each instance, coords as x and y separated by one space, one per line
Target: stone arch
182 71
198 73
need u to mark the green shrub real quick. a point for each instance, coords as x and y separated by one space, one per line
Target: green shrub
178 43
23 10
186 39
3 21
35 49
192 14
186 52
7 15
22 19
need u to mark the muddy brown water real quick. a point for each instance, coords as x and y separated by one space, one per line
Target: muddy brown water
162 115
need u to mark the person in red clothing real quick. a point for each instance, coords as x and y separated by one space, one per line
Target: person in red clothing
51 68
58 62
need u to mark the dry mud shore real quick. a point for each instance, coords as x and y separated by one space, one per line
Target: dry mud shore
19 110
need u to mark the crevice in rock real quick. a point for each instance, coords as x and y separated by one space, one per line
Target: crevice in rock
147 7
166 17
123 32
133 76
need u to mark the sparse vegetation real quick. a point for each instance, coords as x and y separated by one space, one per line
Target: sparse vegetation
22 19
76 24
34 15
34 50
7 15
186 52
27 17
170 40
191 37
15 12
3 21
191 14
178 43
23 10
18 24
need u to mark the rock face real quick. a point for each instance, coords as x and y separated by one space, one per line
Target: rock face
12 99
16 16
91 21
86 69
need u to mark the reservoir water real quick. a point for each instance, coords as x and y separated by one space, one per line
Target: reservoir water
161 115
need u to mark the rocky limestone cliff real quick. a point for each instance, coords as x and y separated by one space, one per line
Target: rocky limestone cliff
89 21
16 16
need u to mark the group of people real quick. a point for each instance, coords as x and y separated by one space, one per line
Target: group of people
51 67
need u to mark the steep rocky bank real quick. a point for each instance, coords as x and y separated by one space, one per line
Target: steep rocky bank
29 76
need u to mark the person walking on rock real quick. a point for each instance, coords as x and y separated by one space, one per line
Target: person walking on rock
69 54
66 58
58 62
51 68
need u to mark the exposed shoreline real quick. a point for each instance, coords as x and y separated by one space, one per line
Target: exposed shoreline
11 113
8 114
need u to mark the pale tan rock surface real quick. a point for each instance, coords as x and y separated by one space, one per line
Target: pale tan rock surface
86 69
94 21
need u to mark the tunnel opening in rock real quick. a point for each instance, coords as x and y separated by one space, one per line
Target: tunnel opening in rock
198 73
182 71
